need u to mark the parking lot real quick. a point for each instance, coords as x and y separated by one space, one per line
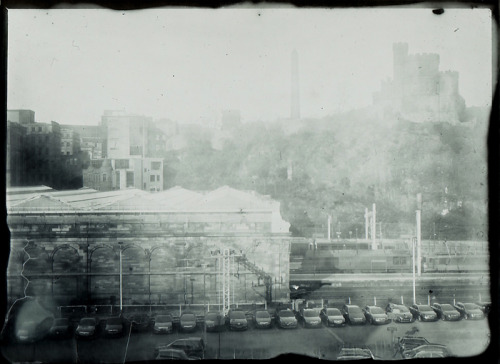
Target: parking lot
462 338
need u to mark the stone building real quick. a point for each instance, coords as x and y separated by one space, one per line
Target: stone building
69 245
419 91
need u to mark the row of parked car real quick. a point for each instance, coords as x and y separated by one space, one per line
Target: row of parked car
237 319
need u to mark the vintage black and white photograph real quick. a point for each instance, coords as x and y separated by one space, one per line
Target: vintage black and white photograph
247 182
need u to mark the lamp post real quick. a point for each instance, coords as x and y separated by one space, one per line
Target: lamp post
121 276
414 241
192 290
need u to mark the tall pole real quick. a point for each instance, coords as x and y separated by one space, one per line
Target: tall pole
121 281
419 234
329 226
366 223
413 268
374 228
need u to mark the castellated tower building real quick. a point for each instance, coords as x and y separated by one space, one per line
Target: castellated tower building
419 92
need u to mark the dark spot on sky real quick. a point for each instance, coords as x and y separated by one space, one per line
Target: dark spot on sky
438 11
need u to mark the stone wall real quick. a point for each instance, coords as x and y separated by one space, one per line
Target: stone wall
80 268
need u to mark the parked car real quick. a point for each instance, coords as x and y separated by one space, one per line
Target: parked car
187 322
469 311
237 320
171 354
423 312
399 313
410 342
485 307
163 324
87 328
332 317
114 327
427 351
353 315
310 317
286 319
262 319
375 315
61 328
140 322
32 330
354 354
214 321
446 312
194 347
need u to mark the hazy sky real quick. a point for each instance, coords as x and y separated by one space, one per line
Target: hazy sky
189 64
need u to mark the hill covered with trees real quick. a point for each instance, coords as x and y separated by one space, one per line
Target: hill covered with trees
342 164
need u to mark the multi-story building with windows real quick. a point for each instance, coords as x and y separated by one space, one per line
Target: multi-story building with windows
132 146
15 168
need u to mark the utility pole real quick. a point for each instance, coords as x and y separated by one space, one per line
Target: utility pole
374 229
226 281
367 216
419 234
413 241
329 226
121 277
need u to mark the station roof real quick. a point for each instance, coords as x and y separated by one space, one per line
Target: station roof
176 199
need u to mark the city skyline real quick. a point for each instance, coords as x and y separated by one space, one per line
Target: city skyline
88 61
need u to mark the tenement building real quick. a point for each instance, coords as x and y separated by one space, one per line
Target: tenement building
168 247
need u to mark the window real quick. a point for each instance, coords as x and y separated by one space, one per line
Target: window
158 177
152 178
104 177
155 165
399 260
121 164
